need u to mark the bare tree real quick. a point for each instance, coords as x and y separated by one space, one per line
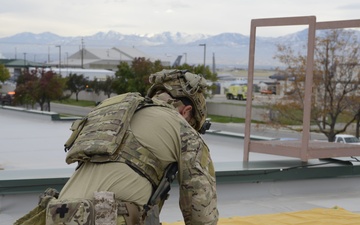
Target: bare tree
336 81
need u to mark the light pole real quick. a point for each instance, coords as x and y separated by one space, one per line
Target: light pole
204 56
67 64
59 46
24 58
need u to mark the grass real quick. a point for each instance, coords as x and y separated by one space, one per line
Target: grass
214 118
227 119
82 103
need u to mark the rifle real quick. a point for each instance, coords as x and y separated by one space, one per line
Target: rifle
161 192
153 207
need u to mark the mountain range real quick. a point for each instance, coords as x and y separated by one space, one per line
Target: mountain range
225 49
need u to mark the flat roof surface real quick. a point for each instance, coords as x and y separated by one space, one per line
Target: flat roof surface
32 147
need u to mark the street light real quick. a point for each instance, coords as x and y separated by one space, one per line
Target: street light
59 46
185 57
204 55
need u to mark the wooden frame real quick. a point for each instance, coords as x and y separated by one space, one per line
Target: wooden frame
305 149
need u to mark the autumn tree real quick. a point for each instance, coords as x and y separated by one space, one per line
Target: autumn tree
4 74
142 68
39 86
25 84
50 87
76 83
336 81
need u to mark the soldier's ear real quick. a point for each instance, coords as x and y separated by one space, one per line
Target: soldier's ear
186 112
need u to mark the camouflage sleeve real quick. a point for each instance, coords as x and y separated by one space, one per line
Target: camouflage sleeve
198 201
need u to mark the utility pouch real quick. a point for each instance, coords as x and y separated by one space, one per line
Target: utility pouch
152 216
76 127
70 212
105 208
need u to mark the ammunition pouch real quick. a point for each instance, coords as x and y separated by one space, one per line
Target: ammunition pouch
103 209
70 212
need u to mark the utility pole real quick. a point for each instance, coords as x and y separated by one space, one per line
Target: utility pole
24 58
82 53
59 46
48 54
213 65
204 56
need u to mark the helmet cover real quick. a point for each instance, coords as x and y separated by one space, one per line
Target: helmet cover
180 84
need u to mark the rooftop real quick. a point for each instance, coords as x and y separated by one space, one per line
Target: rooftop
33 159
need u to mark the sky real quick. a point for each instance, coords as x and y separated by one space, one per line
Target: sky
146 17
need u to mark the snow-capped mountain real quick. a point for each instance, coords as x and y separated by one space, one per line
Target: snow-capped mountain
228 49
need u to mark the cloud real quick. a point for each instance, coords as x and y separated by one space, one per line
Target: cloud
355 6
86 17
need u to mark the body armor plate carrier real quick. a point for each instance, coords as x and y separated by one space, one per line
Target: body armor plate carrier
104 135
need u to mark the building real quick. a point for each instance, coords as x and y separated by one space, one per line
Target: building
15 66
101 58
90 62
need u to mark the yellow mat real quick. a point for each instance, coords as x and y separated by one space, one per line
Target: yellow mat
333 216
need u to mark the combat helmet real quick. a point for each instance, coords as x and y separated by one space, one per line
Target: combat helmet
180 84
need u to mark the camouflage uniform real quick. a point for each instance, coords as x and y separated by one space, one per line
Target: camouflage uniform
125 159
167 135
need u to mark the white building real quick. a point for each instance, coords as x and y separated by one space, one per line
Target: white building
101 58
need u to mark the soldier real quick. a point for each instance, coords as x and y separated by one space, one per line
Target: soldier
124 148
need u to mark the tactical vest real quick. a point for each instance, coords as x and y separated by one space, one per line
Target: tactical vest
104 135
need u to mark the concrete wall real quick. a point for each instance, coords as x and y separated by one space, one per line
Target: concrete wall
214 108
235 110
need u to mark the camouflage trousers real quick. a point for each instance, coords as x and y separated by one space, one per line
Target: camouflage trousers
104 209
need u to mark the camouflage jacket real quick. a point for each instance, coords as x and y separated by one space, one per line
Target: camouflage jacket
166 135
198 200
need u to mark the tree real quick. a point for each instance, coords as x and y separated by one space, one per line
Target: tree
123 76
38 86
141 68
336 80
76 83
107 86
104 86
199 69
4 74
50 87
353 102
25 85
135 77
